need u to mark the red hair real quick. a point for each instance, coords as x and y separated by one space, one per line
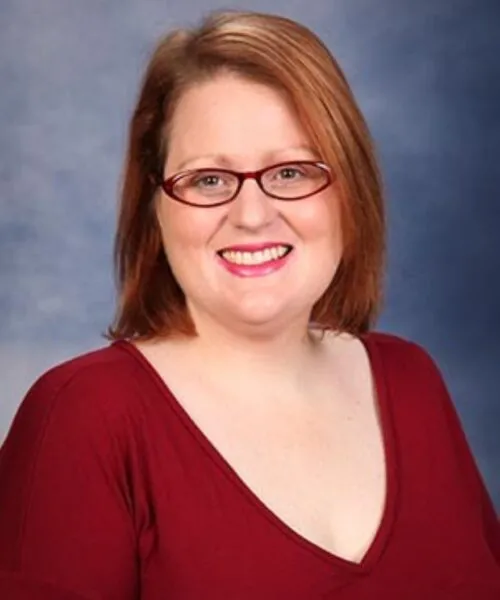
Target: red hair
275 51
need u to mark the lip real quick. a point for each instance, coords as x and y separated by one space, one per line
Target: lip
260 270
252 247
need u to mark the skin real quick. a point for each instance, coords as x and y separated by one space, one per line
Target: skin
287 409
235 123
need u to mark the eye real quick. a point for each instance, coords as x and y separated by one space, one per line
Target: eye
207 181
206 184
289 172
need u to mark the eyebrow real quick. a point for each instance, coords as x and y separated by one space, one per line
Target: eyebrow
225 161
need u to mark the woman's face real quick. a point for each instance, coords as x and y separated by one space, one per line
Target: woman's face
231 122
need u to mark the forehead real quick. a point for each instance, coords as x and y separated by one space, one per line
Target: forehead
233 116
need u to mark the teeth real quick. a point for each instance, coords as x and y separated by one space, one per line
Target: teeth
255 258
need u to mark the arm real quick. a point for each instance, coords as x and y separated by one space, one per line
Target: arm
66 531
464 457
471 471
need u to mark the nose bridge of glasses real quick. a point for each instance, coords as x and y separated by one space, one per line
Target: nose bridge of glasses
252 195
255 175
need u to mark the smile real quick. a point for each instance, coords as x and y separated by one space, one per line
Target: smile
259 257
256 263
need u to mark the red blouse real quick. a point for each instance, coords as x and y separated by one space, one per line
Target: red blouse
109 491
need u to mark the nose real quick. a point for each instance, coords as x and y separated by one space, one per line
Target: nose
252 208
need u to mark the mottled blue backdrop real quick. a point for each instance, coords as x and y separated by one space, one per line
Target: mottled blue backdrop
427 75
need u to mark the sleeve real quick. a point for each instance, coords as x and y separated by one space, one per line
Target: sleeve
490 518
470 471
66 531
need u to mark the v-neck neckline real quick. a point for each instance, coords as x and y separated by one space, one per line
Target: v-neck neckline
384 529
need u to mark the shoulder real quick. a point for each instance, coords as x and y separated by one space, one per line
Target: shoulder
97 365
392 343
400 351
76 394
405 363
105 369
385 353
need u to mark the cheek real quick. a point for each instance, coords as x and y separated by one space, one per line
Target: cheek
186 235
319 219
175 235
182 228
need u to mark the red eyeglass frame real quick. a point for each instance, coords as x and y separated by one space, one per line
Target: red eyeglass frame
168 184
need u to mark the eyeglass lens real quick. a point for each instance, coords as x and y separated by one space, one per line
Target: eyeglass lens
288 181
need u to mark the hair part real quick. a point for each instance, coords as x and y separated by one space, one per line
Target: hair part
281 53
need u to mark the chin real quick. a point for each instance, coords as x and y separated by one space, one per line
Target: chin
258 329
265 317
254 317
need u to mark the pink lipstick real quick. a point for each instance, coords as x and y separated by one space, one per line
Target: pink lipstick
254 260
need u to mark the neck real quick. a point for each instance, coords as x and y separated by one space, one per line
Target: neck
267 360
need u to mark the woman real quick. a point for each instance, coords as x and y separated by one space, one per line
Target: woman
245 434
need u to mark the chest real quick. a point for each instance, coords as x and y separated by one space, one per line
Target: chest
321 472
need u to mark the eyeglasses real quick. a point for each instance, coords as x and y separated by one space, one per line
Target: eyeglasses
214 187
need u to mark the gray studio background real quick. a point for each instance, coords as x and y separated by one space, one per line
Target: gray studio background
427 75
